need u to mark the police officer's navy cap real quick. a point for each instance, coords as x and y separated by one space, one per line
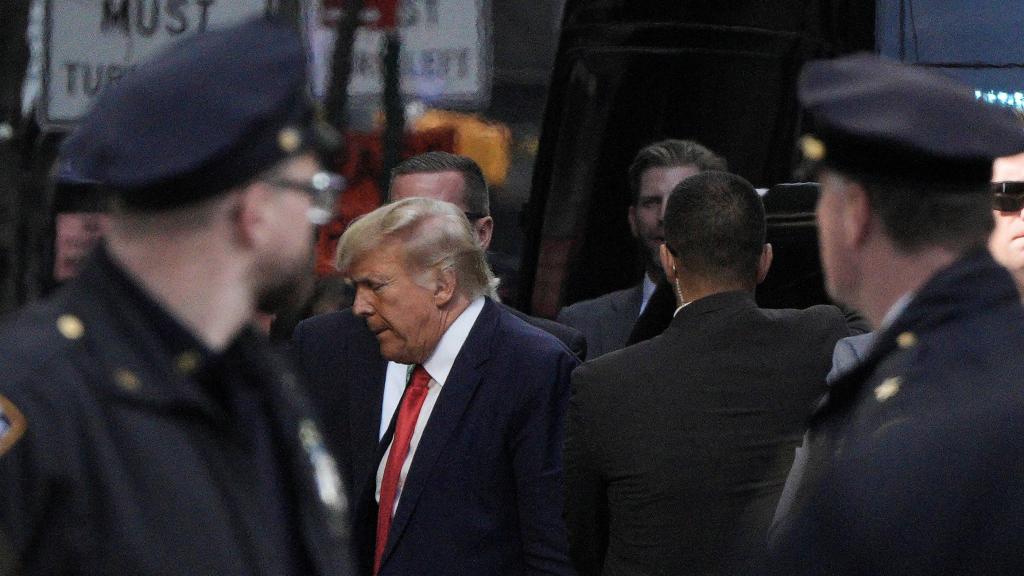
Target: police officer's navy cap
206 115
877 118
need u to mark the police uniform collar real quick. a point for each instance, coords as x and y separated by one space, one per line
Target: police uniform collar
974 281
164 362
175 338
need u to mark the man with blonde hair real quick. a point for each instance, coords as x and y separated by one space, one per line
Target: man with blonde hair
467 477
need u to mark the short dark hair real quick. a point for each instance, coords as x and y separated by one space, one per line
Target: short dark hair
670 153
916 216
476 195
715 226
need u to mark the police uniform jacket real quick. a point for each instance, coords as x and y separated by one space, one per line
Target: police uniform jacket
125 448
916 456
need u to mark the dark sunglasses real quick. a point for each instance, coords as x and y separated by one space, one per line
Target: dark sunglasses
1008 196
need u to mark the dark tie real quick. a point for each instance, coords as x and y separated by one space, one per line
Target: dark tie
408 413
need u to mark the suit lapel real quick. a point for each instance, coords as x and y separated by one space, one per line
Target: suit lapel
630 310
633 300
366 396
455 397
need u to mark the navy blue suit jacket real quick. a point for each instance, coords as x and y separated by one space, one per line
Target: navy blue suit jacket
484 492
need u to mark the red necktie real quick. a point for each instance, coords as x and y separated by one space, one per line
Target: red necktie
408 413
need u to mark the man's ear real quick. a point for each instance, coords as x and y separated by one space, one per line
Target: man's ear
668 262
857 215
444 290
765 263
484 228
252 208
631 217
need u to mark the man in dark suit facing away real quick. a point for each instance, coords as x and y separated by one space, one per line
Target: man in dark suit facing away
467 478
607 321
678 447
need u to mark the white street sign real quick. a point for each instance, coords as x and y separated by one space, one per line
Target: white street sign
445 58
89 44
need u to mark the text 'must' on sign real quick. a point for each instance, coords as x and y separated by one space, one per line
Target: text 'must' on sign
89 44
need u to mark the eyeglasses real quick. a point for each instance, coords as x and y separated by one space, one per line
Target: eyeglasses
323 188
1008 196
474 216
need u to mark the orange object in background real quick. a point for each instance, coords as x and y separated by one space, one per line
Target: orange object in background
488 143
362 165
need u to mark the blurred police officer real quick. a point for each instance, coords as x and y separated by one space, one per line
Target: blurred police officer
144 427
915 461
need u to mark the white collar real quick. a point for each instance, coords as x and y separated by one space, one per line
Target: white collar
646 291
440 363
685 304
896 309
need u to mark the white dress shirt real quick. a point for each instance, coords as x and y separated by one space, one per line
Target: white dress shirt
646 292
438 366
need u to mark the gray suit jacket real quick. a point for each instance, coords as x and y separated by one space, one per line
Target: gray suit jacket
605 321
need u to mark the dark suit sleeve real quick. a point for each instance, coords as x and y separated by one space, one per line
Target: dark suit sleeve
586 508
855 322
537 463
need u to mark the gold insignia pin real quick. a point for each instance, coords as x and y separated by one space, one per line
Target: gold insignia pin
187 362
812 148
308 433
127 380
289 140
888 388
906 340
12 424
70 326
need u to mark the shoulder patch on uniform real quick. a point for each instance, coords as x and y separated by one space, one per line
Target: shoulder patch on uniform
12 425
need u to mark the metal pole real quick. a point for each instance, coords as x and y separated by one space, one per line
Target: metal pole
14 55
394 110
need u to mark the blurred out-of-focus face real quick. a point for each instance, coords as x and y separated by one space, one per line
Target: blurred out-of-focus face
840 273
288 267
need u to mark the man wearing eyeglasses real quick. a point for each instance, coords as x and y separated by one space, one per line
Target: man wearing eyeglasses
145 428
